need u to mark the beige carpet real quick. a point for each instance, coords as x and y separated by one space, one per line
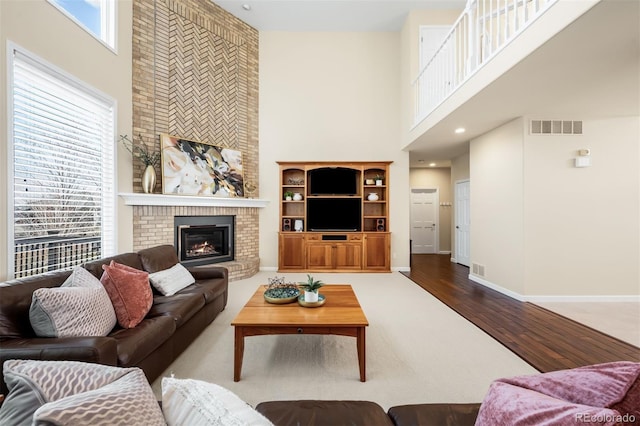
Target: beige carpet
418 350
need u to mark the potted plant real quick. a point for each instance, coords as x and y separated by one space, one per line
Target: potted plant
379 179
311 288
288 195
149 158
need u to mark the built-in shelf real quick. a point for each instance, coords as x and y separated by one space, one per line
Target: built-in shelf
140 199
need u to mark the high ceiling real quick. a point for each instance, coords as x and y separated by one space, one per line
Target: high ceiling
330 15
590 69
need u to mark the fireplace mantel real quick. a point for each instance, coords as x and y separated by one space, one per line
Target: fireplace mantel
140 199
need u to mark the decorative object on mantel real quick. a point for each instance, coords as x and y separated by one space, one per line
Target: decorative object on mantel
311 288
250 188
196 168
278 292
149 158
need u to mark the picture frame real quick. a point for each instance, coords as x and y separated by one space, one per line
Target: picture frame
197 168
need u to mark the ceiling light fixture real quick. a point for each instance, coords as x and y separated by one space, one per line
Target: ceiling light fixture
432 164
246 6
460 130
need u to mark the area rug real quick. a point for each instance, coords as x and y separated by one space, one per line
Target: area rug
418 350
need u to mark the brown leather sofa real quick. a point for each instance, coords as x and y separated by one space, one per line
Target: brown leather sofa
170 326
366 413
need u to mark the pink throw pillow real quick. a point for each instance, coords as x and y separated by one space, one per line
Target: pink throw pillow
129 291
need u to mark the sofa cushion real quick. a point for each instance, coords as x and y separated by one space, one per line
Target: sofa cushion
170 281
322 413
210 289
154 259
135 344
69 392
197 403
181 307
129 291
506 404
71 311
434 414
129 259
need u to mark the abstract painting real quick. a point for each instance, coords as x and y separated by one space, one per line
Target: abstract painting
196 168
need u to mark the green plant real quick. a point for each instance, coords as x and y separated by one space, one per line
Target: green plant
379 177
288 194
311 284
141 151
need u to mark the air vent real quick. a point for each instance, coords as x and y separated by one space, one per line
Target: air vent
477 269
556 127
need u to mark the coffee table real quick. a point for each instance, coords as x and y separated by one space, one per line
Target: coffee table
340 315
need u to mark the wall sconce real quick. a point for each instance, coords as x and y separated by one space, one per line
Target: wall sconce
584 158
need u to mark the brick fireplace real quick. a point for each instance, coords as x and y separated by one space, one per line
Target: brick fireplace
154 225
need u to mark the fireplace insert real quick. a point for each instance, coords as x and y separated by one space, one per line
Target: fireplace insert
202 240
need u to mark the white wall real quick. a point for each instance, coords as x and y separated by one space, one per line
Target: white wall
581 224
40 28
546 230
496 172
331 97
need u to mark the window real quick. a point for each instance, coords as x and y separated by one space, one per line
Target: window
61 154
95 16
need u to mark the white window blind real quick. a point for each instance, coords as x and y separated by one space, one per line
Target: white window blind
63 170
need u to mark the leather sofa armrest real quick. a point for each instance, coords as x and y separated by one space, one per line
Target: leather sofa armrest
435 414
208 272
100 350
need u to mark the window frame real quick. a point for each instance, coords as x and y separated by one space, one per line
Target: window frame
108 22
108 245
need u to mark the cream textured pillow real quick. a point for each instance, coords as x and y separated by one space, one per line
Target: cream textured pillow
78 393
172 280
194 403
80 307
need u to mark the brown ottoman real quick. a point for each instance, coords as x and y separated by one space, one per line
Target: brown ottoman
434 414
324 413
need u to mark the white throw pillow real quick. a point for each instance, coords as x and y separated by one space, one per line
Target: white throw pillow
194 402
80 307
172 280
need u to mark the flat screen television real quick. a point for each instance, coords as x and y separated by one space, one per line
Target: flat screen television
333 181
334 214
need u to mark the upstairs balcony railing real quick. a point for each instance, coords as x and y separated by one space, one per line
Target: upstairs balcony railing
483 29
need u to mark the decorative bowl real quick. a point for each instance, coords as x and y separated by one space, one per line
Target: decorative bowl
279 297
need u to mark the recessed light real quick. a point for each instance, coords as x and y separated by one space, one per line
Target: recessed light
246 6
460 130
420 161
432 164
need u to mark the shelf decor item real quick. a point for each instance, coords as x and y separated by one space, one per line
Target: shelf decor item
379 180
311 288
196 168
288 195
297 196
149 158
373 196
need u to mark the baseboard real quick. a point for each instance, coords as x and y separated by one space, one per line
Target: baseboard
584 299
401 269
444 252
453 260
497 288
554 299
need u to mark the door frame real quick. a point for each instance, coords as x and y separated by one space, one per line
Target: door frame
455 221
436 243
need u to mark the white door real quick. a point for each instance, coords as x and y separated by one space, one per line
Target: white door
463 223
424 220
431 38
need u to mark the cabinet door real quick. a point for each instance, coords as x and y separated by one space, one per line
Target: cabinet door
348 256
291 251
376 251
320 256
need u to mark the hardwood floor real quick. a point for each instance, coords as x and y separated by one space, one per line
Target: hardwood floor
542 338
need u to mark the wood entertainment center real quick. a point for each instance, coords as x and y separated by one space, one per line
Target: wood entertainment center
336 217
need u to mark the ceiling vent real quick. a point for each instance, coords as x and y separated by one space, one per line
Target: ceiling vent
556 127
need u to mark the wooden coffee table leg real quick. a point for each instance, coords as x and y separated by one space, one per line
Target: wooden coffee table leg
362 353
238 353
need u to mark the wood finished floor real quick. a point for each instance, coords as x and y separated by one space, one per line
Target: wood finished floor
544 339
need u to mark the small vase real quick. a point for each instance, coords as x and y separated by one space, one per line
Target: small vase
372 197
310 296
297 196
378 182
149 179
